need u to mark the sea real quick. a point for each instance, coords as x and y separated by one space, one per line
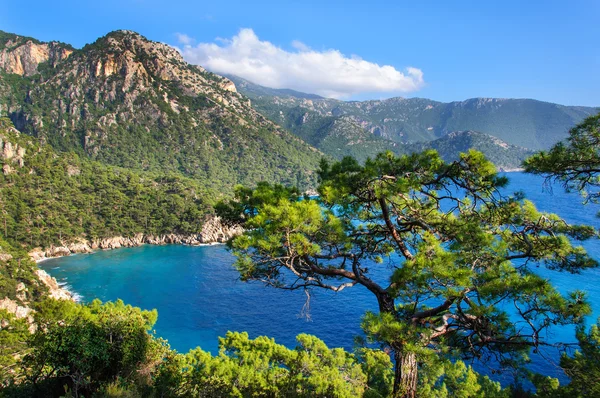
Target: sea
199 296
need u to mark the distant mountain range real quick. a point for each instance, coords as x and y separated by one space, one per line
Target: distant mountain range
127 101
362 128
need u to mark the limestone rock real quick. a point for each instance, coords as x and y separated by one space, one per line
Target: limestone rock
23 59
55 291
12 153
21 292
213 231
37 254
18 311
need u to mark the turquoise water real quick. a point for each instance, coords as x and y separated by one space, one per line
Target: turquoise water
199 297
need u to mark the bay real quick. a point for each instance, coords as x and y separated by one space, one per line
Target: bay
199 296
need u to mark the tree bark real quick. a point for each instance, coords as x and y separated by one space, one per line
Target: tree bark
405 374
405 367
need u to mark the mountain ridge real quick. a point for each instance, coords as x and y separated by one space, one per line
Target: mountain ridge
127 101
528 123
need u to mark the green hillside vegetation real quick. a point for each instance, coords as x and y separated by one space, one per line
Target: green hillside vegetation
501 154
130 102
54 198
522 122
337 137
343 136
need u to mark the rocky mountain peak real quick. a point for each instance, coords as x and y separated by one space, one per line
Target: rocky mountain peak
144 63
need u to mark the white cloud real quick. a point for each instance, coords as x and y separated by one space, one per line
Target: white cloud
184 39
328 73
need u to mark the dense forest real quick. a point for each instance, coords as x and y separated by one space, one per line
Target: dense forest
48 198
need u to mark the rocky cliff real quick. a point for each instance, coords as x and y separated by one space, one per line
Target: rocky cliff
213 231
22 55
11 153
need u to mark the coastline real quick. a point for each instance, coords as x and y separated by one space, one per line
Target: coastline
63 291
44 259
213 233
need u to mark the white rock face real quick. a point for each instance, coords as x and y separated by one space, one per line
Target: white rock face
213 231
12 153
55 291
14 308
18 311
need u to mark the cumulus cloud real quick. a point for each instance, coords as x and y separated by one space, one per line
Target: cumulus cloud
328 73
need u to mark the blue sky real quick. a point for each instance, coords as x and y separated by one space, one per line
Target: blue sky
547 50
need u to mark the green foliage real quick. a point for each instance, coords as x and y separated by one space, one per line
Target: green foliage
443 378
16 267
56 198
582 367
106 350
89 344
262 368
13 345
574 163
461 254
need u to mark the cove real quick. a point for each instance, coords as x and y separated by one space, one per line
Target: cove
199 297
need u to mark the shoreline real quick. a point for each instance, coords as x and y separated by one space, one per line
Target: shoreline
42 260
213 232
63 291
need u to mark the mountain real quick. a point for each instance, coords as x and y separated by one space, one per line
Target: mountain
127 101
312 118
22 55
522 122
505 156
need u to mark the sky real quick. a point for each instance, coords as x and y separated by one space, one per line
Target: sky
356 50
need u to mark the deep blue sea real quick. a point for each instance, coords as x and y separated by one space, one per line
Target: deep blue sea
199 297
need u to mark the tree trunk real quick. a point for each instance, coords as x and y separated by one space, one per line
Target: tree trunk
405 374
405 367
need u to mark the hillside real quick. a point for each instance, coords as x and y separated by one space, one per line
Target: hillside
49 198
523 122
131 102
505 156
